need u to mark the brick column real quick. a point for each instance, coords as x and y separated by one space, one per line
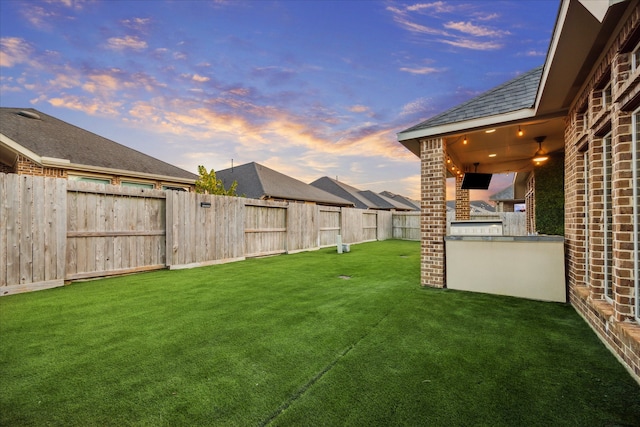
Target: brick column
623 286
433 221
463 208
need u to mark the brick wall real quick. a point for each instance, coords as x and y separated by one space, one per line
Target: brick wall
589 121
24 166
463 207
433 221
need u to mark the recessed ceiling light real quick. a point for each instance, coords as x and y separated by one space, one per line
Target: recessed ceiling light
489 131
492 155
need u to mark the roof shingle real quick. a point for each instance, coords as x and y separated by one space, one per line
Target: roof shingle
48 136
258 182
516 94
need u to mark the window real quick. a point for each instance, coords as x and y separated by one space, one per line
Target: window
137 184
607 217
635 153
90 179
635 58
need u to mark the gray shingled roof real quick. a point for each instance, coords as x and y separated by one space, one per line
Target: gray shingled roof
47 136
507 194
258 182
513 95
397 197
476 206
363 199
344 191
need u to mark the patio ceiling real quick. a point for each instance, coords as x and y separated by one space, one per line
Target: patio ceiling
499 149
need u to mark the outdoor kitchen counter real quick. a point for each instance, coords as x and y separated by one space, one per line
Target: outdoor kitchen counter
521 266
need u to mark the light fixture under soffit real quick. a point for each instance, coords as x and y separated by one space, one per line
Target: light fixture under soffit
489 131
520 131
465 141
540 155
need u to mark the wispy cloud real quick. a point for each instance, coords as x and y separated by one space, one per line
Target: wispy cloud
71 4
473 44
424 19
13 51
126 42
359 109
137 24
475 30
434 7
416 106
533 53
89 105
421 70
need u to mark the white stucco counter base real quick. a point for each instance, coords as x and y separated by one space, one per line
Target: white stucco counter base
521 266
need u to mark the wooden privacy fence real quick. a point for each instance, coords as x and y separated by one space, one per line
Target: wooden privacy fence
513 223
52 230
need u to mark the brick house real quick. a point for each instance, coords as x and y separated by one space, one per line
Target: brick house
581 110
35 143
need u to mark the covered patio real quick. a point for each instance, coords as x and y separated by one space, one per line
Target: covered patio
569 131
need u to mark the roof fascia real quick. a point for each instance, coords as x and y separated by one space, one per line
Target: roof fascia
553 46
475 124
19 149
120 172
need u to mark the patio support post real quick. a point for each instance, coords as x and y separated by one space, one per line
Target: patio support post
433 221
463 208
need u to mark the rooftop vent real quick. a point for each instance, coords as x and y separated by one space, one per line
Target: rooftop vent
29 114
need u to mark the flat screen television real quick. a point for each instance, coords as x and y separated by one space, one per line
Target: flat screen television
476 181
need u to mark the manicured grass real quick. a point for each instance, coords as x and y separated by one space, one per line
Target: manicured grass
287 341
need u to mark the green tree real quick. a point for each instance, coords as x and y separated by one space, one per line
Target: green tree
208 183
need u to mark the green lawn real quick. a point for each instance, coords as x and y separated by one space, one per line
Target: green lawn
286 341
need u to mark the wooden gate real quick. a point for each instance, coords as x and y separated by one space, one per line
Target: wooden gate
265 231
330 225
113 230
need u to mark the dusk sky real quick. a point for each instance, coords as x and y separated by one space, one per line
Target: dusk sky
308 88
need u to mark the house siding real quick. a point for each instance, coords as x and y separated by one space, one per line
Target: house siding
24 166
588 123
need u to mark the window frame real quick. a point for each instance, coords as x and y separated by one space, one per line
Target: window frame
92 179
635 58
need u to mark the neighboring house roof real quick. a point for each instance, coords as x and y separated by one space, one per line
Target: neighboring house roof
404 200
384 203
505 195
344 191
516 94
363 199
52 142
477 206
259 182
